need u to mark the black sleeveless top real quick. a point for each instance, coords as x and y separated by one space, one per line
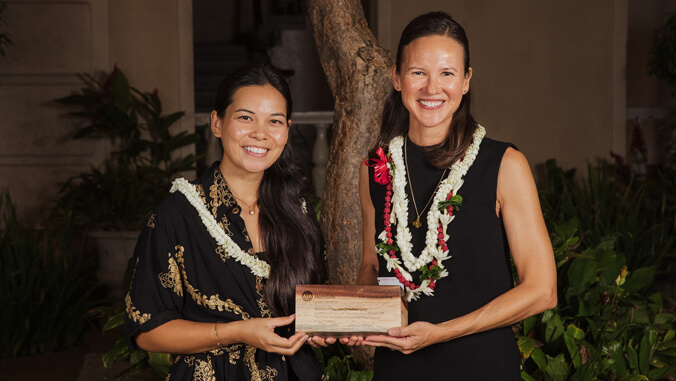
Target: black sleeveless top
479 271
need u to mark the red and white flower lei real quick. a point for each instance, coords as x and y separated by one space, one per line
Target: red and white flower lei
430 260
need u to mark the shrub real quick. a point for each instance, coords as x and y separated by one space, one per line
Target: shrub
44 289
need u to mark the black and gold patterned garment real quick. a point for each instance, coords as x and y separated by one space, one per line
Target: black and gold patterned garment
181 273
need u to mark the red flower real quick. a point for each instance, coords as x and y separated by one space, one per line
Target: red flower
444 248
440 235
381 174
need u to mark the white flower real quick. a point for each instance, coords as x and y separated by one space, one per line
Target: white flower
257 267
432 250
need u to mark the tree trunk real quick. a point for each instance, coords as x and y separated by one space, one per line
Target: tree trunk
358 71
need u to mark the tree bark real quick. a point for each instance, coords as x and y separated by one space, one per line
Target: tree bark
358 72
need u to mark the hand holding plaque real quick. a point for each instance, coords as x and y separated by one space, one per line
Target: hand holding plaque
349 310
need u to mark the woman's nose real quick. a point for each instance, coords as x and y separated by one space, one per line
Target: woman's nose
433 86
259 131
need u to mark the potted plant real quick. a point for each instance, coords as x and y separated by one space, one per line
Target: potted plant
112 202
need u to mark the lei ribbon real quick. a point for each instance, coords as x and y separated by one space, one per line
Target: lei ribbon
381 173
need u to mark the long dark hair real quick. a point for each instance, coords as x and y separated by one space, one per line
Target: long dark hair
395 116
291 235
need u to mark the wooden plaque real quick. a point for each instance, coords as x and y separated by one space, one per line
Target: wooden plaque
349 310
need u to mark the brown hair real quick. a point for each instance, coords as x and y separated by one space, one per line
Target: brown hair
395 116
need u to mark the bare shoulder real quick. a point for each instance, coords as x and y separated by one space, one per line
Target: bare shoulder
516 185
514 163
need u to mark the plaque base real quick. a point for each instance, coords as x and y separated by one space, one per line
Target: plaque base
349 310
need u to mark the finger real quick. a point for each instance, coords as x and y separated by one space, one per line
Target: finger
380 341
323 341
399 331
354 340
295 347
282 321
377 338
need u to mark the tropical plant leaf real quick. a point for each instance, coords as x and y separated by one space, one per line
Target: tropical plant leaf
580 275
526 345
556 368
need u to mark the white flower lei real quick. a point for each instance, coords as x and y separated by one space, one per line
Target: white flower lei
257 267
432 250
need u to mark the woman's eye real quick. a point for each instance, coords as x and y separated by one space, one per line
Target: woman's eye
245 117
276 121
446 73
417 73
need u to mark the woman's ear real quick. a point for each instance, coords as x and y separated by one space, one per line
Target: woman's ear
216 124
395 79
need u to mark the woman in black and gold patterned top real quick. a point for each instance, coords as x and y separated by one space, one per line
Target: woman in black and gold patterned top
217 264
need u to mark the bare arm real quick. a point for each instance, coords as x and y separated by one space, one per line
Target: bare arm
184 336
533 256
368 271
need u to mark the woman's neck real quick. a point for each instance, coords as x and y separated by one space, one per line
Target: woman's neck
244 185
427 136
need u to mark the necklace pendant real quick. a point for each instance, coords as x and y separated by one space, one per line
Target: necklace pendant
251 212
417 223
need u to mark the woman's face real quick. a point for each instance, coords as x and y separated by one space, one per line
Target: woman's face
254 129
432 81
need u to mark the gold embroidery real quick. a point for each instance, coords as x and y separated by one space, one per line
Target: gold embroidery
213 302
234 352
151 221
204 370
246 235
267 374
132 312
220 195
220 250
172 278
262 305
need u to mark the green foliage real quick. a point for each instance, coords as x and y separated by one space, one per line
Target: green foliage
44 290
339 365
662 61
609 202
138 175
4 37
608 324
138 359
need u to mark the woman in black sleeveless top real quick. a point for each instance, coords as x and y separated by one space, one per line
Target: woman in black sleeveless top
443 208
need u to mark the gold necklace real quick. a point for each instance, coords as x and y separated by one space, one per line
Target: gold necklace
417 222
252 207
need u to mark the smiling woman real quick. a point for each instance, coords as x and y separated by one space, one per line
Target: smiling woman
253 131
441 203
214 284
